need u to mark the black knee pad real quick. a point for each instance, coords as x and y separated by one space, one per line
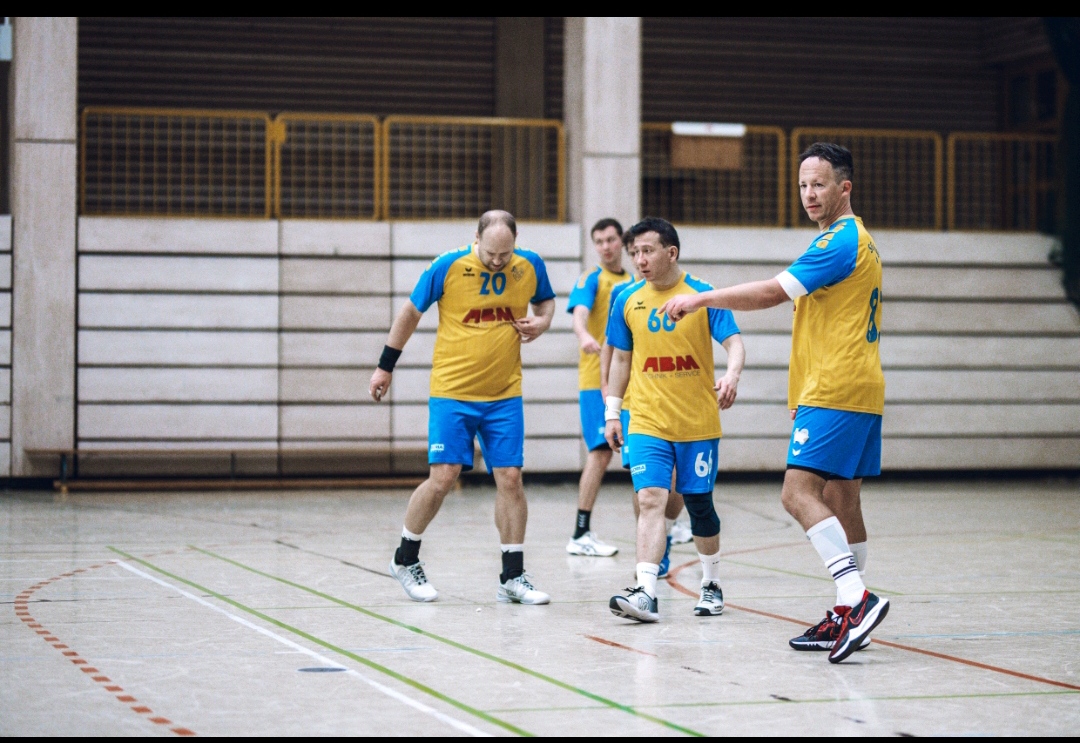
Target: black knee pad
704 522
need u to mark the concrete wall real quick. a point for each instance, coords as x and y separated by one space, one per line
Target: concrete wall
262 335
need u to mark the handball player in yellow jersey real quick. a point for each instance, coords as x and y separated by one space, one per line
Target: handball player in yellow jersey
484 291
674 415
589 303
836 390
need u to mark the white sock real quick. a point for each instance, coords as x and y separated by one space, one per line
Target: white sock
512 547
646 577
409 535
831 543
859 550
668 523
710 568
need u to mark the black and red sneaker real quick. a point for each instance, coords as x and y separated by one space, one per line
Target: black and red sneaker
822 636
856 625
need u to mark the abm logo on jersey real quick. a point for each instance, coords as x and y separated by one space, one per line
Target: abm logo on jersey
669 364
488 314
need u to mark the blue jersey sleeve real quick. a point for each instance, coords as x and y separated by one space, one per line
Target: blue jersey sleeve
429 289
544 291
618 332
722 324
584 292
830 260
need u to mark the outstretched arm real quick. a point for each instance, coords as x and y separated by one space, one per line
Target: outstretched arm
754 295
727 386
404 326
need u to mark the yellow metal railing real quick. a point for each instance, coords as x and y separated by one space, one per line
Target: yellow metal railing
448 167
751 195
1001 181
899 179
169 162
326 166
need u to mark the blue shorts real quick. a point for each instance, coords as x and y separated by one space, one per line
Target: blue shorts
694 462
624 416
591 405
500 426
840 443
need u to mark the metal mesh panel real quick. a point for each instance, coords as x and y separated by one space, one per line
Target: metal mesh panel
898 175
326 166
751 195
1001 181
159 162
448 168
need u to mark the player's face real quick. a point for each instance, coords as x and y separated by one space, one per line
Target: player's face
495 247
653 260
608 244
632 251
819 188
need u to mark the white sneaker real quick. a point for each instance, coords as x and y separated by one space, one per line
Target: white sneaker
680 533
520 591
636 604
413 580
711 603
590 545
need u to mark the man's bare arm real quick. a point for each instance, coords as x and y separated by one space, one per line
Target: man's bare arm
605 366
585 340
727 386
618 379
532 327
400 332
754 295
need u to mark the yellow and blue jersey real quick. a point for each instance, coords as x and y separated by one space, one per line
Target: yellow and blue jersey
672 363
593 291
835 359
478 350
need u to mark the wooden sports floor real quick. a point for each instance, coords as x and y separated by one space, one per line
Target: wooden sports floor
272 613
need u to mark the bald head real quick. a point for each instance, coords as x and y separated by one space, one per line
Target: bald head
495 238
496 217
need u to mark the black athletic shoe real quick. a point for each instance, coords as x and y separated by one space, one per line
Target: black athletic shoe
856 625
822 636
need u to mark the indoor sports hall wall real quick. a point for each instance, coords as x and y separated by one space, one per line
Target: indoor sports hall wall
261 335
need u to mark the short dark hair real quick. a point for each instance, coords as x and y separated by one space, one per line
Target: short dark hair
839 157
627 238
662 227
496 216
603 224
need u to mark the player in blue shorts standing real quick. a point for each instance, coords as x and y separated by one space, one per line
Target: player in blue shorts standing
589 304
836 390
484 291
674 418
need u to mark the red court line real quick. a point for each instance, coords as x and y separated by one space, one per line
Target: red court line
672 580
23 613
614 644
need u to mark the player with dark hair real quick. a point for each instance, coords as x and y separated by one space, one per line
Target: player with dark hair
484 291
674 421
589 304
836 390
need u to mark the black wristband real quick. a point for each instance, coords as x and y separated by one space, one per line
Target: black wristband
389 358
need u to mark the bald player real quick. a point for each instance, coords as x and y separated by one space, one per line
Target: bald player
483 291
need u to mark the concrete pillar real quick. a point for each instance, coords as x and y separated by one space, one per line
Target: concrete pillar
602 110
43 187
519 67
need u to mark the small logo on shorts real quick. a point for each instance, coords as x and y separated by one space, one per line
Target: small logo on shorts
600 430
437 447
801 435
637 470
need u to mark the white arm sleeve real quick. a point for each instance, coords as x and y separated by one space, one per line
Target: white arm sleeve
791 285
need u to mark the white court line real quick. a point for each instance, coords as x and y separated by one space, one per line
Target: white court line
419 706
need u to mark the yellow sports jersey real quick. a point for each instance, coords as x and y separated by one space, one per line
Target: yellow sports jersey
672 363
478 350
835 360
593 291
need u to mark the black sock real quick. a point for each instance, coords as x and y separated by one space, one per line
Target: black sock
582 523
513 565
408 553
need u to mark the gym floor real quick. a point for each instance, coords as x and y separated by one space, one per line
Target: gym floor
272 614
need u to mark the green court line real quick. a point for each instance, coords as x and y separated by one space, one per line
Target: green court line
330 646
802 575
755 702
453 643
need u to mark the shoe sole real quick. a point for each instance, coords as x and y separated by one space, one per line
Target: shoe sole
411 597
628 613
501 599
825 645
584 553
882 611
707 612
